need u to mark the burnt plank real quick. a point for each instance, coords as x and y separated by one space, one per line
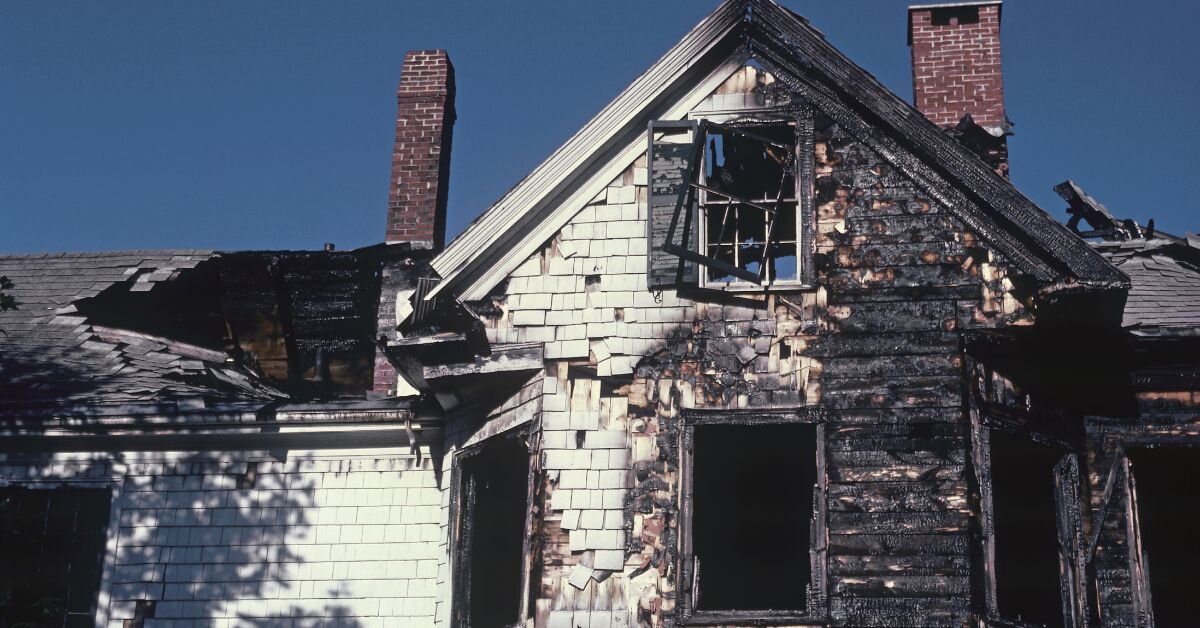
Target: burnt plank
892 611
898 522
861 466
921 544
877 255
879 344
902 585
948 365
919 276
891 393
846 565
898 496
873 318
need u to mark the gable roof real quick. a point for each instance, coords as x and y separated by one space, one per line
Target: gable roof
53 360
529 214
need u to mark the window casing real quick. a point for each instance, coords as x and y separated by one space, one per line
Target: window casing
719 580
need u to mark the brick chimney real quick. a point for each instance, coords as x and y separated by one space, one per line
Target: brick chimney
957 82
421 157
416 194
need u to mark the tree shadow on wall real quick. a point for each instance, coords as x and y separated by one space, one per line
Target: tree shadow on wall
234 541
209 541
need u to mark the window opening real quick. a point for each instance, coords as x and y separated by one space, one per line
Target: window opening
1025 520
53 555
748 200
494 508
751 484
1168 507
743 181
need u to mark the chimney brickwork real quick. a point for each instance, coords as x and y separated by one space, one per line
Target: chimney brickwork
420 177
956 63
421 157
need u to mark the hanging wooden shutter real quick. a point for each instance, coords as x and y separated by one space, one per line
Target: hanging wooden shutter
675 151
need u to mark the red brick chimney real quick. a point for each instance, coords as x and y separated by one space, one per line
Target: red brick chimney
421 157
956 63
418 187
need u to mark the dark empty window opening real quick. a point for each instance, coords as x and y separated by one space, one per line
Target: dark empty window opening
53 555
493 508
1025 524
751 517
954 16
748 203
1168 505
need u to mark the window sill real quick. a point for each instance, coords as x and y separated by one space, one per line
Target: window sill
747 287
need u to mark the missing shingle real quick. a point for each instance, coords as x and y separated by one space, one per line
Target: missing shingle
248 479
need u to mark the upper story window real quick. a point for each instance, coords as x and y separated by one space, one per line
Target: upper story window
731 202
747 203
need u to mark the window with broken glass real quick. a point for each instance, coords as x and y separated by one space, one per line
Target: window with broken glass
727 208
749 477
747 198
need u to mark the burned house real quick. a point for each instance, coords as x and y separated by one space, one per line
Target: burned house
761 344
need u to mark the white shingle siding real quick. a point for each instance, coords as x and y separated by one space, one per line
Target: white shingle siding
357 538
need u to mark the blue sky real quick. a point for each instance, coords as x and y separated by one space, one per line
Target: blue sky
268 125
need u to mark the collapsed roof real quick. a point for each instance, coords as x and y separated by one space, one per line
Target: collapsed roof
177 331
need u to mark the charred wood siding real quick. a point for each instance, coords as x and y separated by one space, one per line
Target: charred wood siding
892 382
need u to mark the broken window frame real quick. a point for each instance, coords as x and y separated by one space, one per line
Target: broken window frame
461 527
689 207
817 593
1067 483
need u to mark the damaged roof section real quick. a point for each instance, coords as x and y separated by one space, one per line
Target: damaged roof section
53 359
141 332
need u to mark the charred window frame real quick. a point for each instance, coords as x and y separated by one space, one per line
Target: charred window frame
465 527
731 203
1056 467
692 608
